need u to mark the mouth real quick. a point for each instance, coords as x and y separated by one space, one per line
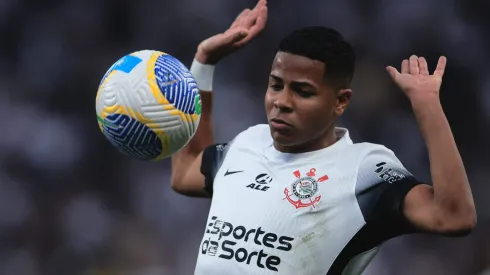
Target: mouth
280 122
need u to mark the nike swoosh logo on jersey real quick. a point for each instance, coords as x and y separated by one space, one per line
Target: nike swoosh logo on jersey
228 172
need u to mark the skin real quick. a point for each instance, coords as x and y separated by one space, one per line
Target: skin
299 95
311 110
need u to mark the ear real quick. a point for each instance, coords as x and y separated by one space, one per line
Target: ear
343 99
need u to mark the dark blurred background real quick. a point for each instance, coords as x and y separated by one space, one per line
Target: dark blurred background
71 204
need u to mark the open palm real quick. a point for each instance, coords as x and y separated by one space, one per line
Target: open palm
415 80
246 26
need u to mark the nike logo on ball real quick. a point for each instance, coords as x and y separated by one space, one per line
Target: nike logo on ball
228 172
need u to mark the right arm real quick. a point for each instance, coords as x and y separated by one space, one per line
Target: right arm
189 176
186 164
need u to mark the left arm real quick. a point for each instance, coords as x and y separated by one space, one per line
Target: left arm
447 207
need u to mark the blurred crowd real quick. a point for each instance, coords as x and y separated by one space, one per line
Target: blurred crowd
70 204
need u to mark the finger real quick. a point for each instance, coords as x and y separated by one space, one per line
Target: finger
251 17
393 72
414 64
240 18
249 20
260 4
235 36
405 69
261 20
258 26
441 66
423 66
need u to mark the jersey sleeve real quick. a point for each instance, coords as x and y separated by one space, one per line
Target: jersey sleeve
212 159
381 187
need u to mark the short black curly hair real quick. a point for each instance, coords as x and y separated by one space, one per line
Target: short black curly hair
326 45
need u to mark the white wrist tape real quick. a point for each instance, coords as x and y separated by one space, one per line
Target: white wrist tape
203 73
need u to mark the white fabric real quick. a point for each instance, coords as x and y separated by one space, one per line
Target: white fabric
203 74
279 213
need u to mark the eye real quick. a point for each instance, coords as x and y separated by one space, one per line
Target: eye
304 94
276 87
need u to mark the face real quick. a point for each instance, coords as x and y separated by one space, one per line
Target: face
301 107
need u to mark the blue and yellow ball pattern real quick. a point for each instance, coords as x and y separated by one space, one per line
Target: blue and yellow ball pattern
148 105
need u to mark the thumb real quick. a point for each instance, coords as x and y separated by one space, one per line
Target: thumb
392 72
236 36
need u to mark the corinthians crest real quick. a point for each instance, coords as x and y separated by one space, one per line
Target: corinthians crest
304 189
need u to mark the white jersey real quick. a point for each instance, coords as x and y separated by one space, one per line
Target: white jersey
320 212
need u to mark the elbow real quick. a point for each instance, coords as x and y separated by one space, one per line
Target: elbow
459 225
469 222
463 229
184 188
177 186
176 182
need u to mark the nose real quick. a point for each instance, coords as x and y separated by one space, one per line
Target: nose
284 101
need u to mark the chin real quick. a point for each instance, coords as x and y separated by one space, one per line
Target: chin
283 139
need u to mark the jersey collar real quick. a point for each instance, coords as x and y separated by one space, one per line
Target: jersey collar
344 140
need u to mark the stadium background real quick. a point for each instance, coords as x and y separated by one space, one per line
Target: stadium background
70 204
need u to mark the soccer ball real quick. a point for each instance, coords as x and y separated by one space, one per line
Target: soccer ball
148 105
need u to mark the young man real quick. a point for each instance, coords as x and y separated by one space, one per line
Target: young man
297 196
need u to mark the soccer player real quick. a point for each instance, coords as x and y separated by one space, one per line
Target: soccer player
297 196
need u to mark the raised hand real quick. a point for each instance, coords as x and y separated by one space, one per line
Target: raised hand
415 80
246 26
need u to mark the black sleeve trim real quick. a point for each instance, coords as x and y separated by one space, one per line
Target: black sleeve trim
383 211
384 220
388 213
212 159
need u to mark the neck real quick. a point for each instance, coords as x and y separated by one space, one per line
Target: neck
323 141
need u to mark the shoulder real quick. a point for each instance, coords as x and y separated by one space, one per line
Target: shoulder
259 131
365 156
364 150
253 134
358 157
257 135
382 182
214 155
377 164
